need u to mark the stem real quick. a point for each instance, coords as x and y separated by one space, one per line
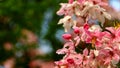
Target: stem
104 29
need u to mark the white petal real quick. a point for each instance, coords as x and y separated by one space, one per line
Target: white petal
109 66
67 26
74 23
101 18
67 18
93 13
60 21
96 52
94 27
64 20
108 16
85 10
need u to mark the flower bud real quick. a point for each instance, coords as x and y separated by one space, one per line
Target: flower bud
86 26
71 61
66 36
76 30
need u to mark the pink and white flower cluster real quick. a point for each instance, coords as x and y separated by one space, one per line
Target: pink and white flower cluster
87 43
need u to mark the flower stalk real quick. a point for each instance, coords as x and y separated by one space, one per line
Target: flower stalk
81 18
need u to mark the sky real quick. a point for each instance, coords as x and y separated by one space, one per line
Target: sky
115 4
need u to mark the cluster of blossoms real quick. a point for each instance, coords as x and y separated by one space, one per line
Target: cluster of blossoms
87 43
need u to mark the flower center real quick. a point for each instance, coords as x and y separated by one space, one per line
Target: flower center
93 41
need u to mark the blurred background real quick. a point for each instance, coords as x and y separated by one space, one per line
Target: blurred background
29 34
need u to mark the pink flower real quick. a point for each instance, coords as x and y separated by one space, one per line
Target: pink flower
115 34
105 50
68 47
93 37
94 11
62 9
115 59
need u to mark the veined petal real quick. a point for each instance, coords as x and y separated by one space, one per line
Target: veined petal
96 52
101 18
88 6
77 10
61 10
64 20
67 26
116 59
60 21
108 16
85 52
61 51
93 13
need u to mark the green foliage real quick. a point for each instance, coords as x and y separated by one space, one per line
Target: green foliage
16 15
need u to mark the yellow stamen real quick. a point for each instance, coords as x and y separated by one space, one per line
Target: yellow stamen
116 24
93 41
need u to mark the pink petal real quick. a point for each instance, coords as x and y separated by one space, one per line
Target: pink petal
85 52
71 1
80 1
77 40
116 58
61 51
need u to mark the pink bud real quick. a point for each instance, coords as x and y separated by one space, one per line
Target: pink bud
66 36
86 26
71 61
71 1
76 30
